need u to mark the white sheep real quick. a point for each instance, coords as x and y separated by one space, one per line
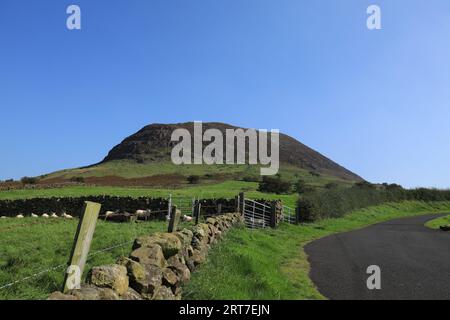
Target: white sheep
45 216
34 215
67 216
141 212
109 213
187 218
20 216
3 217
54 215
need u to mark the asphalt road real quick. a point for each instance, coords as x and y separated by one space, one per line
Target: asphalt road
414 262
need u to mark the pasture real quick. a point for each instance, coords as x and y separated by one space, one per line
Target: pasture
31 246
228 189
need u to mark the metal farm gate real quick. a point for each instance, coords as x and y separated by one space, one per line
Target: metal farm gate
257 215
289 215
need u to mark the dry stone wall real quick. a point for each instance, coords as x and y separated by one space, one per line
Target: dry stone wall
157 267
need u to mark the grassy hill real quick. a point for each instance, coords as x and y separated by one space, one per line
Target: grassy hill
142 160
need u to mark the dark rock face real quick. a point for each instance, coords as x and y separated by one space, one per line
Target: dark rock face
152 143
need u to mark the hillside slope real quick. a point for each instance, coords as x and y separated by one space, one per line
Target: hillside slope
152 143
144 159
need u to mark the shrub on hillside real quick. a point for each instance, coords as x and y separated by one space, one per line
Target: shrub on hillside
331 185
193 179
29 180
77 179
274 185
314 174
251 179
301 187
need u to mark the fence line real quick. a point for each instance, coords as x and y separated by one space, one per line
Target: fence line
36 275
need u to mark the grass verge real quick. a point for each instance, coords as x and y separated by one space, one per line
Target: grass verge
271 264
437 223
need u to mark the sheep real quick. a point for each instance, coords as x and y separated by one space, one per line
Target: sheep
34 215
109 213
187 218
3 217
54 215
20 216
45 216
67 216
140 212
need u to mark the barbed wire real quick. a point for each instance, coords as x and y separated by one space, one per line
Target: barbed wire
38 274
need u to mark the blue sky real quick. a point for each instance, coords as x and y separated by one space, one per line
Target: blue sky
377 102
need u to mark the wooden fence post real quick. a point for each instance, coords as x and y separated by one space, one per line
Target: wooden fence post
241 202
273 214
174 219
219 209
169 207
82 245
197 210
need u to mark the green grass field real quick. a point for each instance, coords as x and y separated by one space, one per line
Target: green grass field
271 264
228 189
437 223
131 169
29 246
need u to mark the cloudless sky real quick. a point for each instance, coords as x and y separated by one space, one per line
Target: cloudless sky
376 102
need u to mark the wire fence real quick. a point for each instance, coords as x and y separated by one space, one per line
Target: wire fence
184 204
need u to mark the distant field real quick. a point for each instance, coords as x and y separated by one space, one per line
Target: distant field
437 223
29 246
228 189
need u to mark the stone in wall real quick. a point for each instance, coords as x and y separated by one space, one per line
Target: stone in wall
158 266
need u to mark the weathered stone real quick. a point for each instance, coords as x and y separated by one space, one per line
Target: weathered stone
188 233
185 236
190 251
169 242
182 271
90 292
170 278
178 293
149 255
212 221
152 281
199 257
61 296
111 276
163 293
131 295
178 258
136 271
198 232
190 264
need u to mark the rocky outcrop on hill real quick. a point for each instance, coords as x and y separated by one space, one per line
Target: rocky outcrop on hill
153 143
